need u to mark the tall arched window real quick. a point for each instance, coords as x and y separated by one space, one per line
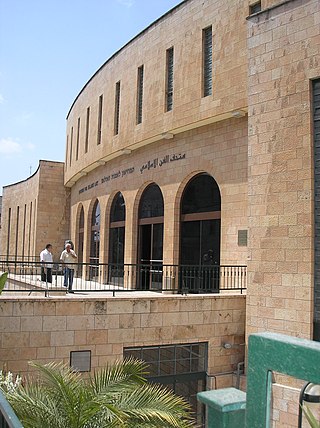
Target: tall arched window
117 239
81 235
200 235
95 234
151 238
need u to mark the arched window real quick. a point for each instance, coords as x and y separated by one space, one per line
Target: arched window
117 239
95 234
150 251
151 203
81 235
200 235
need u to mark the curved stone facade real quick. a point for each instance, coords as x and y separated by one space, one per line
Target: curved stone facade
109 152
181 29
35 212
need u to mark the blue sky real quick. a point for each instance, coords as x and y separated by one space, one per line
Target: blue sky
48 51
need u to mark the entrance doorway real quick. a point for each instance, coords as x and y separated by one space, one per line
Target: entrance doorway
200 236
150 251
95 242
81 236
117 240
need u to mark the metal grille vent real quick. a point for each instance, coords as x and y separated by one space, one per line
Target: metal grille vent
100 119
169 89
117 109
207 61
140 94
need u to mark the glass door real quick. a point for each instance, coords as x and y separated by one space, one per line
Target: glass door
151 250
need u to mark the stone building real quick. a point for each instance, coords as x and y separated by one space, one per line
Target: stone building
35 212
196 144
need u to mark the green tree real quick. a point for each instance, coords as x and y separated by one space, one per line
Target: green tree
117 396
3 279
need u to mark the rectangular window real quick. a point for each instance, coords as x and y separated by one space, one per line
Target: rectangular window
255 8
71 138
100 120
30 224
207 61
117 109
80 361
180 367
169 79
315 109
78 138
139 94
17 232
9 230
86 143
24 231
67 151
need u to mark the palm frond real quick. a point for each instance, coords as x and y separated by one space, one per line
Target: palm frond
120 374
153 404
116 397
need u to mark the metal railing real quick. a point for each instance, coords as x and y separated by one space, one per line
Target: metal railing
184 279
8 418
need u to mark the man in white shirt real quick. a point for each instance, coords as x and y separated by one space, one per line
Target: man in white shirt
46 264
68 257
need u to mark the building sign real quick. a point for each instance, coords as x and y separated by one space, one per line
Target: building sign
162 161
150 164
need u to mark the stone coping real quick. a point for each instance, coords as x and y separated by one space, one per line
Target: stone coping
133 295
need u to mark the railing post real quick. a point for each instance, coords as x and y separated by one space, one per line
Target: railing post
226 407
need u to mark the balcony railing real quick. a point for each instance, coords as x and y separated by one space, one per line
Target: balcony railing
8 418
153 276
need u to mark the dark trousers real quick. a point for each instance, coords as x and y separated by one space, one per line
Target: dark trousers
68 277
46 274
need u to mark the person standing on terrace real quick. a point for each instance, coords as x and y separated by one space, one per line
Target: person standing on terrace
68 257
46 264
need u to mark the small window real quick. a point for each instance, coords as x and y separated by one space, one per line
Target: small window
100 120
139 94
9 231
169 79
207 61
117 109
255 8
86 144
78 138
71 138
80 361
67 151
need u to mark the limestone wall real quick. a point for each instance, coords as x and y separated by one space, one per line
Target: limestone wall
182 29
284 47
219 149
35 212
47 329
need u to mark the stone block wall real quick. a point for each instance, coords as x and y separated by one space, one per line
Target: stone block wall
284 47
181 28
39 210
47 329
219 149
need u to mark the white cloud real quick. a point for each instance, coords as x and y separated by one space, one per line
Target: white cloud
30 146
9 147
25 117
1 99
126 3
